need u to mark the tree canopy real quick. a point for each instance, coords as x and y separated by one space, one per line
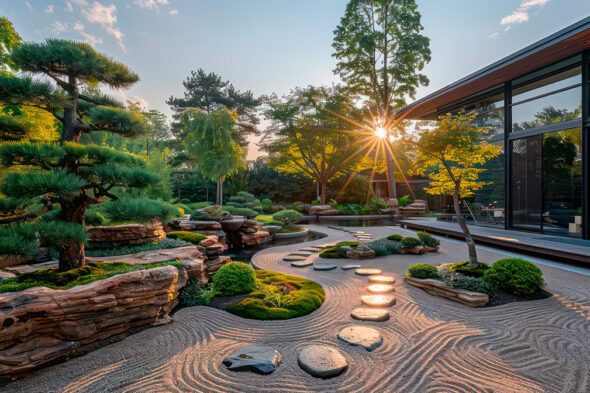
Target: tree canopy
9 38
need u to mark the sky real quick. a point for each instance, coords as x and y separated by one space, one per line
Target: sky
273 46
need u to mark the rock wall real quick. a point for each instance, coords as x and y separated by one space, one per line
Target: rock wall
124 235
41 325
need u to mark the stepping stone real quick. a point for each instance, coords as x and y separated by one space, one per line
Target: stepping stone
368 272
349 267
310 249
300 254
301 263
370 314
324 267
255 358
382 279
380 288
364 336
378 300
322 361
293 259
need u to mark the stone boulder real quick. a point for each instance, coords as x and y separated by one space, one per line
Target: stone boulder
232 225
199 225
42 325
255 358
323 210
125 235
361 252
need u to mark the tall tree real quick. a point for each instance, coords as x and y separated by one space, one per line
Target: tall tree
380 54
210 93
452 154
9 38
67 174
212 140
306 136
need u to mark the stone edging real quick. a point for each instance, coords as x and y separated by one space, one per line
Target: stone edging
291 235
439 288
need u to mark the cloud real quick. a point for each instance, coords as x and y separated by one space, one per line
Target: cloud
173 12
151 4
49 9
89 38
521 14
81 3
130 99
59 27
69 7
494 35
29 6
106 18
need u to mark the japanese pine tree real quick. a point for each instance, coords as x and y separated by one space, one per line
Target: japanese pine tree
65 174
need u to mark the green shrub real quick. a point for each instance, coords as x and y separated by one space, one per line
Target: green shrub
395 237
404 201
139 209
315 202
268 220
190 237
183 200
215 215
94 218
427 239
337 251
193 294
163 244
185 208
234 278
477 271
269 304
243 197
287 216
457 280
241 211
383 247
266 203
515 275
199 205
351 243
379 203
408 243
423 271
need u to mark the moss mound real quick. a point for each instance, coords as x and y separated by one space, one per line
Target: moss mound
293 297
190 237
53 278
475 271
337 252
423 271
234 278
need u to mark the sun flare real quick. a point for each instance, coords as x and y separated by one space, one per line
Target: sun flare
380 132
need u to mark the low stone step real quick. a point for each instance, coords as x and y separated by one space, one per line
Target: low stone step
380 288
322 361
378 300
364 336
310 249
300 254
382 279
370 314
324 267
349 267
293 259
302 263
368 272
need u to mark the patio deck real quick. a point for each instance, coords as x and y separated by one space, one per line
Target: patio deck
554 247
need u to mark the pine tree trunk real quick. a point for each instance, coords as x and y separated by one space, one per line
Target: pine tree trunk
392 190
468 239
72 255
219 196
323 192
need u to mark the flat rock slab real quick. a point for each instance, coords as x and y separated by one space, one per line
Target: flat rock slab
370 314
322 361
378 300
310 249
300 254
380 288
255 358
301 263
293 259
324 267
366 337
368 272
350 267
382 279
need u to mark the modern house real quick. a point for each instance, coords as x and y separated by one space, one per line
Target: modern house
536 103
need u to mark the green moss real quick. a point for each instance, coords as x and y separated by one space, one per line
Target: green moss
476 271
190 237
307 297
423 271
291 229
268 220
395 237
53 278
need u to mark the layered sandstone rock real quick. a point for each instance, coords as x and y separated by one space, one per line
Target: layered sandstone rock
41 325
323 210
124 235
439 288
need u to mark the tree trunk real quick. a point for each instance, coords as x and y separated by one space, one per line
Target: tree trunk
69 131
219 196
72 255
390 175
468 239
323 192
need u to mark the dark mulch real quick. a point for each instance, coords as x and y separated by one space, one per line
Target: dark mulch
221 302
501 297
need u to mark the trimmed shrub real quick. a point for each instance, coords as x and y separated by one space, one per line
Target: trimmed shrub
94 218
395 237
423 271
234 278
190 237
337 251
315 202
383 247
408 243
515 275
477 271
457 280
287 216
199 205
266 204
241 211
139 209
427 239
215 215
268 220
193 294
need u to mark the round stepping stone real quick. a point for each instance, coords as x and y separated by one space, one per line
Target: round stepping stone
310 250
322 361
382 279
380 288
367 272
293 259
255 358
301 263
349 267
370 314
300 254
324 267
378 300
364 336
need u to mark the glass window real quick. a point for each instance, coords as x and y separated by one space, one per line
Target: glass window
488 202
555 108
494 120
526 183
552 83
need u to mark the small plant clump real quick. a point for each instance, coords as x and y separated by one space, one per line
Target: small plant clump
428 240
472 271
458 280
338 251
395 237
190 237
194 294
408 243
287 216
383 247
423 271
266 204
515 275
268 220
163 244
234 278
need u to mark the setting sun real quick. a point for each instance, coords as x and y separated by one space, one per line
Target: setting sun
380 132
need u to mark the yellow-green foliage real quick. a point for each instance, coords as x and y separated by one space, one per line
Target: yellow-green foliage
267 304
191 237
